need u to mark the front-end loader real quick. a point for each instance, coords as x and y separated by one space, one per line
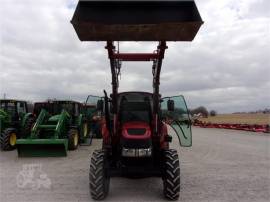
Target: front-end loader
59 127
138 126
15 122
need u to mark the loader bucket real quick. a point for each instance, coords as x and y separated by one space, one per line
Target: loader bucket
173 20
42 147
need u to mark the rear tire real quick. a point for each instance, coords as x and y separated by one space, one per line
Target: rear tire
99 182
8 139
73 139
171 176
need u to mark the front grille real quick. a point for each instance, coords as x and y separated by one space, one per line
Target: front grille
130 143
136 131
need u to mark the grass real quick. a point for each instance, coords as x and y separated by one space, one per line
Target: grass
239 118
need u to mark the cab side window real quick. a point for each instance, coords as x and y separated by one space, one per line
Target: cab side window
21 107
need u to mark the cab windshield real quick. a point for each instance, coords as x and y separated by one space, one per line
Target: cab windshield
135 111
9 107
66 106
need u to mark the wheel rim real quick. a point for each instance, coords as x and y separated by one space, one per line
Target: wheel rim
76 139
12 139
85 130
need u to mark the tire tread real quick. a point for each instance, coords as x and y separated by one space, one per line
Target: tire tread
171 178
98 182
4 139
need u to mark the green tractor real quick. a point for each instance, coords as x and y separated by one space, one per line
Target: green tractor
60 126
15 122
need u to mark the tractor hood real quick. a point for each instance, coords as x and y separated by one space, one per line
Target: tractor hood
136 140
156 20
136 130
55 117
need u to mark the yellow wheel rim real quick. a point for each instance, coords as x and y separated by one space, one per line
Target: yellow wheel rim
12 139
85 130
76 139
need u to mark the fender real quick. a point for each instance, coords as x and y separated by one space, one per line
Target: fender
164 132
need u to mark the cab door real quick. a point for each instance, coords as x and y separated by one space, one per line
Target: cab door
91 105
175 113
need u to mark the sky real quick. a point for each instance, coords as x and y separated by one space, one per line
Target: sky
225 68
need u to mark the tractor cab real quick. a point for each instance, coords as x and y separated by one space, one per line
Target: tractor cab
135 107
38 106
16 109
56 106
71 107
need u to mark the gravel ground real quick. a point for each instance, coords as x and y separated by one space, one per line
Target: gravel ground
222 165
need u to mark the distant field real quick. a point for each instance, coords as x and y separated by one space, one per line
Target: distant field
239 118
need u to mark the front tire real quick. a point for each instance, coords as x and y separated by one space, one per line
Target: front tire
8 139
171 176
84 131
99 182
73 139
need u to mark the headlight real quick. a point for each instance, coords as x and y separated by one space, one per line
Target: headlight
128 152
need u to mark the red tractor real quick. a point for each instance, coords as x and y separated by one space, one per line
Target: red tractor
137 127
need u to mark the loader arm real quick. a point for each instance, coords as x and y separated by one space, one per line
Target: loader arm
63 118
107 113
41 117
117 58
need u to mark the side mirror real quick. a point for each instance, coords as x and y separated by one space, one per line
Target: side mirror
100 105
170 105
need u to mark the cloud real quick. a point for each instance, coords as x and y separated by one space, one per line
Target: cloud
225 68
